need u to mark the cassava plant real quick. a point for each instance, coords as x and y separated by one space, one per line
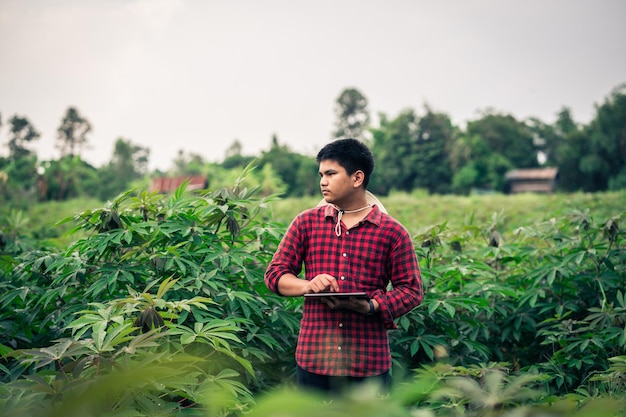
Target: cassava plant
547 298
160 308
188 264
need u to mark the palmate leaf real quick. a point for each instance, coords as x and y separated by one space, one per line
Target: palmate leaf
39 384
216 333
184 370
114 336
187 335
621 299
518 388
165 286
65 348
242 361
255 333
128 387
85 320
225 378
5 369
11 293
97 320
145 340
428 343
618 364
244 301
222 392
495 390
185 305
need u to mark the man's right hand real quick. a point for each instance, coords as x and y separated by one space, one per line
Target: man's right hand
291 286
321 283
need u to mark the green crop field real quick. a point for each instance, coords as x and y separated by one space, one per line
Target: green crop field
418 212
157 306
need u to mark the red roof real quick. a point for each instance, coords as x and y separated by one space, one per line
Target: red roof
549 173
170 184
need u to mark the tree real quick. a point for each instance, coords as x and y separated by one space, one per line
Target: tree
568 157
72 134
506 136
18 172
435 139
593 158
395 148
287 165
565 124
234 149
413 152
129 163
4 177
68 178
130 160
351 113
548 138
21 134
477 166
607 133
188 164
234 158
307 178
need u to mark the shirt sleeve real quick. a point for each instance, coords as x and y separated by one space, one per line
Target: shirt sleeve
407 291
288 257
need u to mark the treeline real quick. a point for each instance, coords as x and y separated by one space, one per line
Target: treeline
414 150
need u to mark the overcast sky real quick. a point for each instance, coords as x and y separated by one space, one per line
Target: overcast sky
198 75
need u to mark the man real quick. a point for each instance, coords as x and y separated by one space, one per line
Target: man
346 245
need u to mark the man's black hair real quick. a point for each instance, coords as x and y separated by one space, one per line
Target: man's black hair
351 154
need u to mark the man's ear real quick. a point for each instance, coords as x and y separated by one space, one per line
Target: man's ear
358 178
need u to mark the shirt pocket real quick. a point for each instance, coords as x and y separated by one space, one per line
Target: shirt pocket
370 264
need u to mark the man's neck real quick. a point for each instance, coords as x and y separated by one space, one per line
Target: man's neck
354 208
356 203
354 216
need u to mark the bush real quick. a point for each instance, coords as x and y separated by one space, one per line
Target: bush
187 268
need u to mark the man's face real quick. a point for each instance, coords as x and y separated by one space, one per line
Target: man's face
335 183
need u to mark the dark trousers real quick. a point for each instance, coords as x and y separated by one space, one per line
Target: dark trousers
338 384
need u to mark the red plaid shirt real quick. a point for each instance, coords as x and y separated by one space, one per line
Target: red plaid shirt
366 258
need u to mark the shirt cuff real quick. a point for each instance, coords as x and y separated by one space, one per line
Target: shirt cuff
385 314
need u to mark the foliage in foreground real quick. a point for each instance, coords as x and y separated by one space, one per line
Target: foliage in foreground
161 310
155 277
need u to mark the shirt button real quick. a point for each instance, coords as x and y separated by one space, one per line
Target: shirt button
347 233
340 324
344 255
342 278
338 347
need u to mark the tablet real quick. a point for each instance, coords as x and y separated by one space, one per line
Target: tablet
337 294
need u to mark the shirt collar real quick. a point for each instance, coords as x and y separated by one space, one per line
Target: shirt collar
373 216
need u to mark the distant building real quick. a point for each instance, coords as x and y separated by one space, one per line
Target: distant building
532 180
170 184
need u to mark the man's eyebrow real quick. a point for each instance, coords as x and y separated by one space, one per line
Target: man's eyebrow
328 171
